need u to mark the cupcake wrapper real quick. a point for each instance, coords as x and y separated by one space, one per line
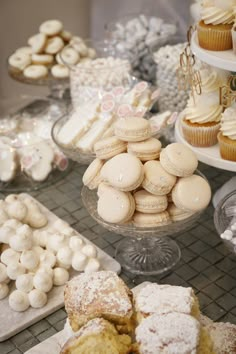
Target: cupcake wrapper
227 151
233 32
200 136
214 39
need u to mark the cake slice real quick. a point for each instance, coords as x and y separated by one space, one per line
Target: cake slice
223 336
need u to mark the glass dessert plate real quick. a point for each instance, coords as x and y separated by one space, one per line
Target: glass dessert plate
146 250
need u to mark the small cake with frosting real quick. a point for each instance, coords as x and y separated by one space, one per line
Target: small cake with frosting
201 119
214 29
163 299
172 333
100 294
99 336
227 134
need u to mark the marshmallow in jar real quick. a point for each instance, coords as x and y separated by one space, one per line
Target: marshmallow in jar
137 36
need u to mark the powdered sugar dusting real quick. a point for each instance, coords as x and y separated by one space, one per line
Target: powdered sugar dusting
94 326
161 299
223 336
99 292
172 333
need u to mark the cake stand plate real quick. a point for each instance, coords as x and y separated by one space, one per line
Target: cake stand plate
210 156
220 59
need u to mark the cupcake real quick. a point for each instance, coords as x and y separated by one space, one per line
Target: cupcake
212 79
201 119
227 134
214 29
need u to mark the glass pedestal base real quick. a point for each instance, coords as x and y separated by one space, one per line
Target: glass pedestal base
149 256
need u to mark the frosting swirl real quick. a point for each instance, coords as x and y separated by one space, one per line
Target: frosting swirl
217 12
205 109
228 122
210 80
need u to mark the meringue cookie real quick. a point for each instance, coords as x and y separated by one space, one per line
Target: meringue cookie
11 198
6 233
35 218
57 241
76 243
62 265
79 261
17 210
3 272
14 270
89 251
29 259
43 282
13 223
93 265
64 255
37 298
38 250
24 282
60 276
9 256
4 290
22 240
40 238
19 301
47 258
63 227
46 270
3 216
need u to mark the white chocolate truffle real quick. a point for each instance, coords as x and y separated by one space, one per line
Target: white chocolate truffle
4 290
57 241
40 238
6 233
14 270
64 255
3 272
13 223
29 259
43 282
60 276
19 301
93 265
17 210
76 243
25 282
38 250
89 251
10 256
3 216
37 298
79 261
47 258
45 269
22 240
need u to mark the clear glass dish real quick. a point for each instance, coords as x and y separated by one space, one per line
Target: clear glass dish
146 250
25 133
224 218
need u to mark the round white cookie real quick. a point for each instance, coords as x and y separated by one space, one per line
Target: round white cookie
60 71
24 50
42 59
51 27
35 72
54 45
66 35
69 56
19 60
37 42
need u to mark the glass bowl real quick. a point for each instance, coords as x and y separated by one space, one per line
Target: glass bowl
145 250
225 218
25 141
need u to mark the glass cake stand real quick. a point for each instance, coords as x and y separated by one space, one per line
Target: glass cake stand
146 250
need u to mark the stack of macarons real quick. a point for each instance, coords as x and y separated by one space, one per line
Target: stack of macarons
140 183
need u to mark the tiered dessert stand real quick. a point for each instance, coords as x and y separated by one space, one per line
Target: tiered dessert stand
225 60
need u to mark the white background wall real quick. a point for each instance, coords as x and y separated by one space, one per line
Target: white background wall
20 19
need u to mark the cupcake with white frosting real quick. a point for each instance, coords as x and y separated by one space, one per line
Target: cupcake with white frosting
201 119
214 29
227 134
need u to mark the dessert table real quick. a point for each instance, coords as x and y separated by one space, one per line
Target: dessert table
206 264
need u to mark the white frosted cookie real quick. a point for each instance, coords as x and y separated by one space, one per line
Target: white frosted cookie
8 162
42 59
51 27
37 298
35 71
36 160
66 35
69 56
24 50
37 42
54 45
19 301
19 60
60 71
